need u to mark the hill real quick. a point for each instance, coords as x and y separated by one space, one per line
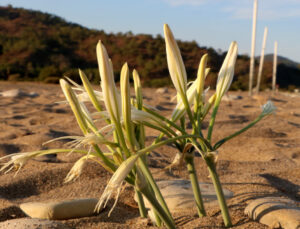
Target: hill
283 60
38 46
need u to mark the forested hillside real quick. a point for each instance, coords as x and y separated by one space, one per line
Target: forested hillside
43 47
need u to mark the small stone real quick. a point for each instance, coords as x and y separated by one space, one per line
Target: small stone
276 212
229 98
179 196
32 94
60 210
16 93
162 90
32 224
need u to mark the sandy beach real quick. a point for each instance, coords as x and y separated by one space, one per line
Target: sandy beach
264 161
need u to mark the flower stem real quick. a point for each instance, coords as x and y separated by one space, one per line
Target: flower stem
221 142
142 209
157 218
212 122
158 208
195 186
170 123
154 186
105 160
219 191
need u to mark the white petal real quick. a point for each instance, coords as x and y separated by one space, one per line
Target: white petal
110 95
179 110
227 71
175 62
268 108
115 183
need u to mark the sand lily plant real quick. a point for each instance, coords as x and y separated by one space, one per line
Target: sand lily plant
192 103
120 146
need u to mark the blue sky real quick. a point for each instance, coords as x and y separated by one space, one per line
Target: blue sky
212 23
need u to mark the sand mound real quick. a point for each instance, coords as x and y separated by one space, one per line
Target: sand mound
264 161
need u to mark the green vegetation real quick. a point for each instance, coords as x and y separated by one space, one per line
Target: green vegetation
37 46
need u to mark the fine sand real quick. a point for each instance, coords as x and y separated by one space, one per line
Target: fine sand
264 161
